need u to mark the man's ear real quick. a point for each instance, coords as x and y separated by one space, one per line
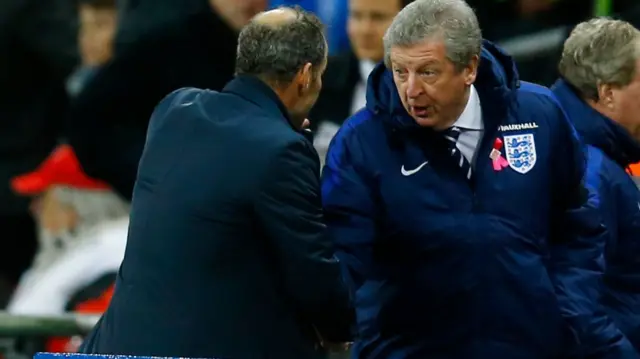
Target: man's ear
471 71
605 95
305 76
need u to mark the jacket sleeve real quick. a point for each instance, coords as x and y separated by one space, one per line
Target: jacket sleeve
289 209
579 236
349 207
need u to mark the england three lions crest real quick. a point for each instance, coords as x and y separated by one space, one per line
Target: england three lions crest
520 152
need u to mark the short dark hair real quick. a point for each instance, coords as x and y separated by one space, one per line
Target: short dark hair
277 52
99 4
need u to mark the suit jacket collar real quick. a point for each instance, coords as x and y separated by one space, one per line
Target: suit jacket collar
255 90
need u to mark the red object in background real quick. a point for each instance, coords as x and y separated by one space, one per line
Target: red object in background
60 168
92 306
635 169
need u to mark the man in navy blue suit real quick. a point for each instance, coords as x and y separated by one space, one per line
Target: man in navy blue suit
226 255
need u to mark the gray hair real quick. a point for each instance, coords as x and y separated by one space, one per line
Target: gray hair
600 51
451 20
278 52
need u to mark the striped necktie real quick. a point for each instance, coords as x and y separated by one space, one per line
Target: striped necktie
451 135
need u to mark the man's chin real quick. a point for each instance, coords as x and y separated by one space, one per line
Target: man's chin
434 122
368 54
429 121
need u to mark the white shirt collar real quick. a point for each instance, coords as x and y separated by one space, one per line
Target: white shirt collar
471 117
366 66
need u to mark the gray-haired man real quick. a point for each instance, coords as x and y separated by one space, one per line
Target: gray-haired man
226 255
454 199
600 90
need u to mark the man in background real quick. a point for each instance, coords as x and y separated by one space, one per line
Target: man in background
109 118
345 82
98 23
600 91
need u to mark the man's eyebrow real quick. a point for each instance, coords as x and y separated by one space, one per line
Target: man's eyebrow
416 65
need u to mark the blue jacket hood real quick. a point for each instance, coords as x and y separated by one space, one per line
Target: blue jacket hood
596 129
497 79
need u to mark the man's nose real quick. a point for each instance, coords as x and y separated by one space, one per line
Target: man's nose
366 26
414 86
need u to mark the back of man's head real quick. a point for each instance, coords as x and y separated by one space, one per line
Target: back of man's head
601 60
600 51
277 44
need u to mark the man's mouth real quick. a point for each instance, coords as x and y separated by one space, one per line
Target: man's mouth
420 111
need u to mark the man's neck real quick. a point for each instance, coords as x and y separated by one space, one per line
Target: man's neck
289 98
460 109
602 109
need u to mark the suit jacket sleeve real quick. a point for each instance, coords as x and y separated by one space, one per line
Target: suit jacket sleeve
289 209
577 251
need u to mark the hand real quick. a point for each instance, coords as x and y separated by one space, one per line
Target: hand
305 124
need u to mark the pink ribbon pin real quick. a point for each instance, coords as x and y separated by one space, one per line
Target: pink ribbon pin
497 160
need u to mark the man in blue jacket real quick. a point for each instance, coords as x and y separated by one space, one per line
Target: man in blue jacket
600 91
455 200
226 254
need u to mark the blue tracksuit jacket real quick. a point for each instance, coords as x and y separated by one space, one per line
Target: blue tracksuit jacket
443 268
611 150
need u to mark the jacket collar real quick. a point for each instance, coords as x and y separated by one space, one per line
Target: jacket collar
255 90
596 129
